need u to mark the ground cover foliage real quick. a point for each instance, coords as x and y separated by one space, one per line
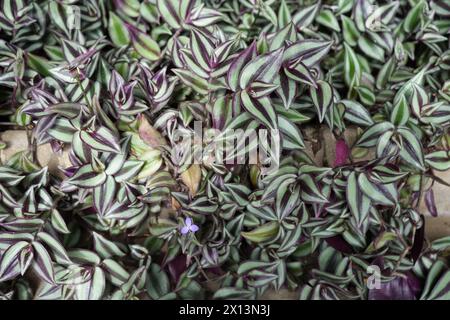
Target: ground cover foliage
113 83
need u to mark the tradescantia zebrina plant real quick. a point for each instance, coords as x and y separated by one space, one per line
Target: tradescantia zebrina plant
113 85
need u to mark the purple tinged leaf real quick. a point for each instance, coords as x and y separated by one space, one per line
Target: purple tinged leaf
124 211
221 112
104 195
176 267
411 151
43 264
309 52
261 109
385 194
238 64
185 8
358 203
418 242
144 44
400 288
263 68
203 17
356 113
9 265
304 17
342 153
299 72
322 97
259 89
101 139
86 177
192 80
339 243
430 202
202 49
169 11
287 91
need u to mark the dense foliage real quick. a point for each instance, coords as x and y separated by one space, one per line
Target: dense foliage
113 83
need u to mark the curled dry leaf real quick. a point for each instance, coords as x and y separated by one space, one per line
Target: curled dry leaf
191 178
149 134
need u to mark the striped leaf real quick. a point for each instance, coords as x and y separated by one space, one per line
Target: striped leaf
414 16
310 52
191 80
204 17
358 203
411 151
238 64
366 95
328 19
118 32
284 14
262 233
288 33
310 190
261 109
356 113
94 288
201 48
370 137
352 67
350 32
287 90
370 48
292 136
169 11
106 248
304 17
437 283
322 98
144 44
104 195
400 113
259 89
9 265
86 177
377 192
101 139
129 170
58 222
123 211
43 264
385 73
438 160
66 109
300 73
263 68
57 249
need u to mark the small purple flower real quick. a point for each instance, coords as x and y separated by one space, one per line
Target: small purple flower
189 226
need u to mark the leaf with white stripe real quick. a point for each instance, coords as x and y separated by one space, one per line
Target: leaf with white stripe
106 248
356 113
261 109
370 137
86 177
263 68
309 52
322 98
411 151
101 139
43 264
